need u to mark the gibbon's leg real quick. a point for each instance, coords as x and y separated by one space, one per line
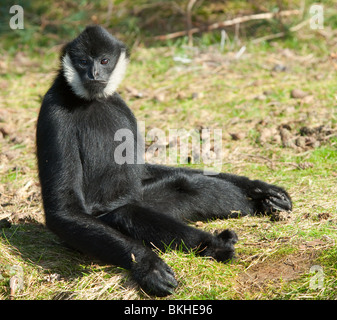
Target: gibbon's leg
161 231
193 197
211 196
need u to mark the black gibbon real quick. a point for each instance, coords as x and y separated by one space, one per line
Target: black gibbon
117 211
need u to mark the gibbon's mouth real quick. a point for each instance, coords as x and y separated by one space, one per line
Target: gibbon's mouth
93 85
90 82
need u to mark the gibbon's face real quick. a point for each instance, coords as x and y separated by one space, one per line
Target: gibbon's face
94 63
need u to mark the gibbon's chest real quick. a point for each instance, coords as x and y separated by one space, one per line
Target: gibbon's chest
105 136
106 141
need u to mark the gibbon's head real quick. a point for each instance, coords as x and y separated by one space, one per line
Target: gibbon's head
94 63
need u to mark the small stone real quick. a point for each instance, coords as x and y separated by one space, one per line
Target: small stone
298 94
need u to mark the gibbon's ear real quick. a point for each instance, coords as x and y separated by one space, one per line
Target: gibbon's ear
117 74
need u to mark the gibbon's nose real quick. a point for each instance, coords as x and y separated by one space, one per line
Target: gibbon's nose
93 73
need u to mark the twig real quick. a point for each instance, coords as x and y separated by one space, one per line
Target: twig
190 5
281 34
259 16
272 162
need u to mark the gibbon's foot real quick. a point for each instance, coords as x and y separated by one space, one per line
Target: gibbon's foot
221 246
270 198
154 276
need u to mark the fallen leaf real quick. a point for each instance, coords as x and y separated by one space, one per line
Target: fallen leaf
314 243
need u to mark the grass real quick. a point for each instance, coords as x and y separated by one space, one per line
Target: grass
274 258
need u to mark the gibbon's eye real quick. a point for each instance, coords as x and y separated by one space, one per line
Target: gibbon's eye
104 61
83 62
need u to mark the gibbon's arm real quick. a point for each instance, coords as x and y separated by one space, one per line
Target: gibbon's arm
68 217
95 238
66 213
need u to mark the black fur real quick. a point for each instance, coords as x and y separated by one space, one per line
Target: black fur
110 210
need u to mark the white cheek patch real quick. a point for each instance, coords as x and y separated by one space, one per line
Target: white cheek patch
117 75
73 78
